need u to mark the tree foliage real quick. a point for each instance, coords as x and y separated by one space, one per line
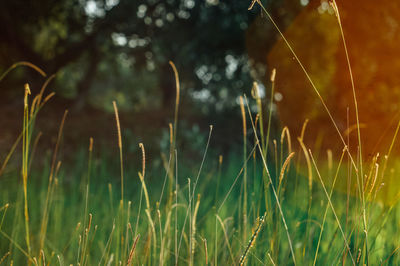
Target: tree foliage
103 49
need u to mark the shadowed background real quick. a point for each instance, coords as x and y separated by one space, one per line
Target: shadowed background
111 50
102 51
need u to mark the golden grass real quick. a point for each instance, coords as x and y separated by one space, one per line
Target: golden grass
120 150
25 156
243 112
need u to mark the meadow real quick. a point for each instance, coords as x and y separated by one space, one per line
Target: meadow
275 202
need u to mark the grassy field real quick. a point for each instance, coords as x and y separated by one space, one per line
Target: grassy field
276 202
242 209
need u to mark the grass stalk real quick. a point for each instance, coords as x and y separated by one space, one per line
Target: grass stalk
243 112
25 154
195 183
120 150
48 202
226 238
337 13
22 63
174 129
271 103
252 240
327 207
273 188
333 209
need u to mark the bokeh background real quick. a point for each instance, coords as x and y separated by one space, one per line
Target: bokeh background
119 50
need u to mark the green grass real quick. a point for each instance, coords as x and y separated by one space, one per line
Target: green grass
66 242
78 215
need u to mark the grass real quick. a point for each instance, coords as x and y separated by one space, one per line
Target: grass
87 220
264 205
87 225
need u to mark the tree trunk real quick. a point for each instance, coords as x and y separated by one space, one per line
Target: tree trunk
167 85
85 83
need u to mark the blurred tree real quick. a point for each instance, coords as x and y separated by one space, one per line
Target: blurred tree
104 50
107 42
